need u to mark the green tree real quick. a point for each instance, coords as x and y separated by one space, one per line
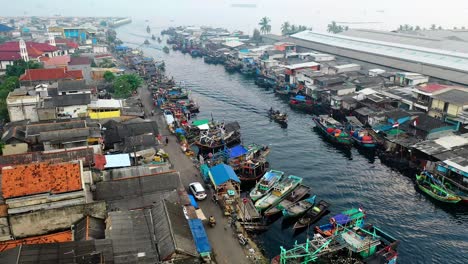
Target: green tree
8 85
126 84
103 23
400 28
20 66
433 27
285 28
418 28
333 27
265 26
440 28
256 36
109 76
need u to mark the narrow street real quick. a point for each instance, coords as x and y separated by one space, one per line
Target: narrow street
226 247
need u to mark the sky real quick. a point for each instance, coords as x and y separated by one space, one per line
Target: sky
317 14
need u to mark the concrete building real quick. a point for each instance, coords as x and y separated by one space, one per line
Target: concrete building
22 106
42 186
451 105
40 76
83 64
442 64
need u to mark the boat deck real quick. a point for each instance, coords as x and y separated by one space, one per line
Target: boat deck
251 213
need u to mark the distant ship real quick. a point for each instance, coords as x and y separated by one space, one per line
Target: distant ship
244 5
148 29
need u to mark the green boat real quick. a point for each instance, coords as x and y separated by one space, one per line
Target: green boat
280 191
266 183
435 189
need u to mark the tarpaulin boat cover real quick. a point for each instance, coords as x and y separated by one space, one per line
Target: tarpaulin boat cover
237 151
299 98
200 122
193 202
222 173
199 236
180 131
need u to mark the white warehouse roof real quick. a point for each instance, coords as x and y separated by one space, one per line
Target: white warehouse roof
441 58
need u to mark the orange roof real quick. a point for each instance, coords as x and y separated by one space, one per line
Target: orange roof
65 236
35 178
51 74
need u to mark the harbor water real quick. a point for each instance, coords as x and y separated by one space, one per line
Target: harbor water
429 232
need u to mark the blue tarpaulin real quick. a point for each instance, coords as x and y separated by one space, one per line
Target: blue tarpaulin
199 236
299 98
237 151
180 131
173 92
193 202
121 48
222 173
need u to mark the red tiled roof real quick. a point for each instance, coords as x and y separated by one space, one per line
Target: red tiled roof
57 61
29 179
51 74
65 236
79 61
432 87
34 48
9 55
67 42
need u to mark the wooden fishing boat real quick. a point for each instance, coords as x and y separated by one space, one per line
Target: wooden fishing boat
265 81
302 103
299 208
218 136
176 94
166 49
266 183
290 199
312 215
248 161
159 40
454 187
435 189
153 37
148 29
279 192
146 42
277 116
332 130
347 218
360 136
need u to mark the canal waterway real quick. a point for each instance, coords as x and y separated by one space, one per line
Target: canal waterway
429 232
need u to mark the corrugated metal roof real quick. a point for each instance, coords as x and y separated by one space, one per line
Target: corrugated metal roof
64 236
442 58
117 161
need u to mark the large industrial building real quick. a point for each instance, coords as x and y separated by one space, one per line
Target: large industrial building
441 64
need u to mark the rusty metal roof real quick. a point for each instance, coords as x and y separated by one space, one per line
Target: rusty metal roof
64 236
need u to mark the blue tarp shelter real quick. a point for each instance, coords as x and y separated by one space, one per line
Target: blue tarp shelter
300 98
236 151
193 202
180 131
199 236
121 48
222 173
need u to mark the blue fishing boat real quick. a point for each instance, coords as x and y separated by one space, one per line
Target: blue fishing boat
360 135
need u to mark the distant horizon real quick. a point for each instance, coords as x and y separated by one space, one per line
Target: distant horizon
315 14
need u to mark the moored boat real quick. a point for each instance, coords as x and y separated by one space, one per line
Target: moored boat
266 183
435 189
359 134
148 29
347 218
301 102
146 42
279 192
333 130
166 49
298 208
153 37
277 116
312 215
293 197
217 136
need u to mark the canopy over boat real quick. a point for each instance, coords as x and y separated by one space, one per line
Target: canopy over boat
237 151
202 124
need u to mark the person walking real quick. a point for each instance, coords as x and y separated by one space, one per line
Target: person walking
167 140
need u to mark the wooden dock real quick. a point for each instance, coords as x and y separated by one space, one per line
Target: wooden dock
251 213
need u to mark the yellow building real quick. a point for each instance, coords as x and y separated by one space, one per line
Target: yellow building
451 105
105 108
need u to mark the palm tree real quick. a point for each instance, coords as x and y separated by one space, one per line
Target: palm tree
293 29
418 28
400 28
334 28
265 25
285 28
